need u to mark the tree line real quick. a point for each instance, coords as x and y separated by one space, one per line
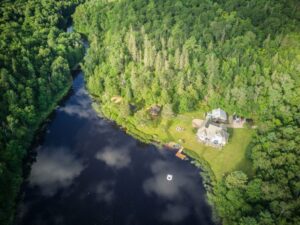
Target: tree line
36 57
242 56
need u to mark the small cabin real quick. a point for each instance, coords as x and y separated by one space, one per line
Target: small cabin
116 99
155 110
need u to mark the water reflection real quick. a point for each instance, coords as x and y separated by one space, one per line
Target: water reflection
104 191
116 158
81 108
174 213
55 169
69 29
181 193
103 176
159 185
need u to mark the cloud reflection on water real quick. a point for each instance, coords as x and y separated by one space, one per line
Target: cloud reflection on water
117 158
159 185
175 191
104 191
54 169
175 213
82 108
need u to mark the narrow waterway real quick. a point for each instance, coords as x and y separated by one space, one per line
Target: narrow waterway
88 171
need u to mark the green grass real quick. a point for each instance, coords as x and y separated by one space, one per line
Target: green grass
221 161
231 157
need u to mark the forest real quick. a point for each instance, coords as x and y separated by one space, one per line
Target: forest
243 56
36 57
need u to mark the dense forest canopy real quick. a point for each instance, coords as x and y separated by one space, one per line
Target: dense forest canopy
185 52
35 61
243 56
184 55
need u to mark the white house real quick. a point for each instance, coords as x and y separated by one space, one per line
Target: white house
217 115
212 134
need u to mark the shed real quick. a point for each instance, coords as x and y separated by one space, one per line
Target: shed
116 99
155 110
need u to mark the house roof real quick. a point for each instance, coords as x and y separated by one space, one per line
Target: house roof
116 99
211 129
155 110
219 114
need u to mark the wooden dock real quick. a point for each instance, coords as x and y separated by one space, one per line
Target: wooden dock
178 148
180 155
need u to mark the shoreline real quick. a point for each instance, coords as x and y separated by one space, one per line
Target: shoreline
208 177
37 135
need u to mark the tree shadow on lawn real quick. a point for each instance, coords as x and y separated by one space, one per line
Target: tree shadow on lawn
246 164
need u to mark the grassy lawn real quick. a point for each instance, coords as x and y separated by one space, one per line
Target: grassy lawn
231 157
221 161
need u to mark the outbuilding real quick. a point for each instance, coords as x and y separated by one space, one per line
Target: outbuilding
155 110
217 115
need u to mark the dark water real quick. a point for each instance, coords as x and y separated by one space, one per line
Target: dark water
89 172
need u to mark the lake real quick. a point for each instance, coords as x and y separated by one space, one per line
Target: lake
88 171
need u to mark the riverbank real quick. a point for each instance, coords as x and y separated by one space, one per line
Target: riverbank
37 128
45 116
83 158
36 58
162 130
215 164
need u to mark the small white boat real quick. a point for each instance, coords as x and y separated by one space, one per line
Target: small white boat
169 177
